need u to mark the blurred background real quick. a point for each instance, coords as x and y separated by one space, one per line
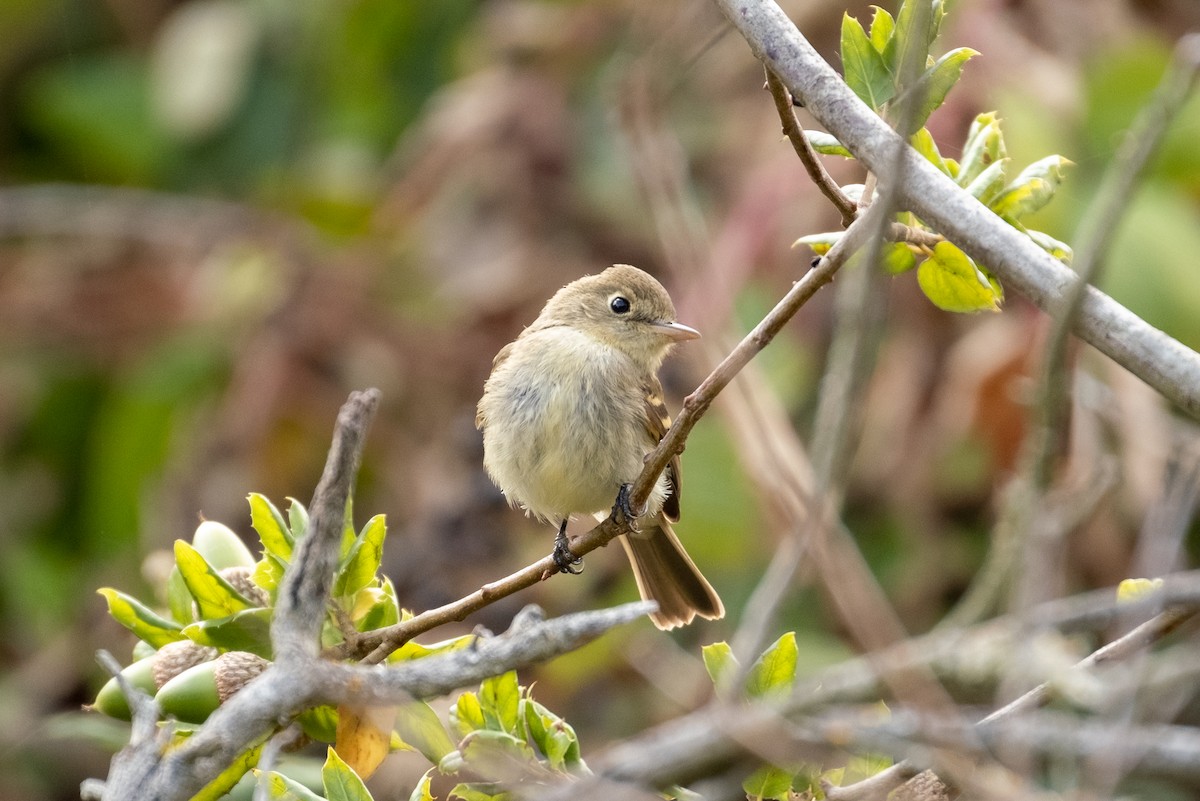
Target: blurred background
218 217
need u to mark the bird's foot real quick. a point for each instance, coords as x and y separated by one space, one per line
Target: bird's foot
566 561
623 508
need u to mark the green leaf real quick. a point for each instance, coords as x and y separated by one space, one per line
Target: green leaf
281 788
215 597
983 148
1059 250
954 283
415 650
249 630
826 144
915 32
498 755
274 533
922 142
341 782
466 715
768 782
883 34
931 88
775 671
553 736
820 243
1032 189
865 71
500 697
988 183
720 663
297 517
422 792
896 258
420 727
362 562
375 608
480 791
219 787
138 618
179 601
268 573
319 723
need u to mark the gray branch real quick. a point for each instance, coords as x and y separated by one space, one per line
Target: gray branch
1162 362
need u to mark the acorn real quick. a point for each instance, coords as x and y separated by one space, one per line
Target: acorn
218 544
242 580
195 693
112 702
176 657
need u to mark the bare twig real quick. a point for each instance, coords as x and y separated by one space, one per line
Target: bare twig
808 157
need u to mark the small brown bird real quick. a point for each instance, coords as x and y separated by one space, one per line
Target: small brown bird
570 411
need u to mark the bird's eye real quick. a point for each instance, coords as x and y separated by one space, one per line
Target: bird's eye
619 305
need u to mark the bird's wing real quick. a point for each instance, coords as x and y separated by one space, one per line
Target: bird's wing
480 420
658 420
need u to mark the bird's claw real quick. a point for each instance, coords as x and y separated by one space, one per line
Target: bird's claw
566 561
624 507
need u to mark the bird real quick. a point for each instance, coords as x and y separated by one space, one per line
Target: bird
569 413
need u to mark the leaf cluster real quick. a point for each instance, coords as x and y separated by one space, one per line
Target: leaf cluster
873 60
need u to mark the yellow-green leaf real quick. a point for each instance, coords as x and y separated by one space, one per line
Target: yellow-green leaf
1059 250
952 281
988 183
935 83
826 144
1032 189
422 791
215 597
140 619
220 786
768 782
720 663
272 530
922 142
883 30
419 727
281 788
819 243
500 697
467 714
896 258
774 671
553 736
362 562
1135 589
480 791
248 630
341 782
984 147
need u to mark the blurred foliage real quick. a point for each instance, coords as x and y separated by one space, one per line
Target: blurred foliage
409 181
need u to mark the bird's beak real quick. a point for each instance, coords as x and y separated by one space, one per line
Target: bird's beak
677 332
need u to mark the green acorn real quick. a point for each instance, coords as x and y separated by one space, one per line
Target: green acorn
112 702
195 693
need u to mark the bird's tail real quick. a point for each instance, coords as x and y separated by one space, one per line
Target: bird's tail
667 575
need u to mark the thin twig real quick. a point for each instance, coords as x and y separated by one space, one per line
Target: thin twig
808 157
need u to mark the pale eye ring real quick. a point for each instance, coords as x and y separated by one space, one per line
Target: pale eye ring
619 304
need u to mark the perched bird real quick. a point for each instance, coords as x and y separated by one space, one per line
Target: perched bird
571 409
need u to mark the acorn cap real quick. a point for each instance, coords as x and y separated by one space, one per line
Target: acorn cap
234 670
242 581
176 657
